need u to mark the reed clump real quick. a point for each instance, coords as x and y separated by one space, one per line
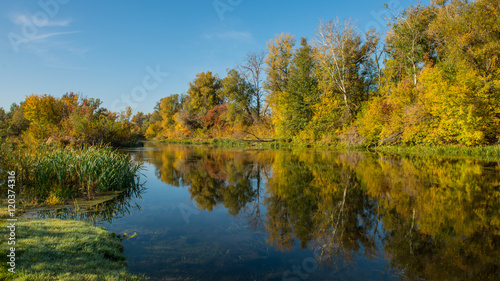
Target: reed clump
59 173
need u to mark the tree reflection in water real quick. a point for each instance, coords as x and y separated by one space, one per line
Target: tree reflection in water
434 218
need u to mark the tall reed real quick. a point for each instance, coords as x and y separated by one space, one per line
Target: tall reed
67 172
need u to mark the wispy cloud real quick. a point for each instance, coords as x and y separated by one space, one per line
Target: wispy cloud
50 39
49 35
26 19
233 35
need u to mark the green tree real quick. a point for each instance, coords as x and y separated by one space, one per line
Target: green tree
4 123
302 90
17 123
238 93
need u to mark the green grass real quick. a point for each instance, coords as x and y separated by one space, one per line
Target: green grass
63 250
186 141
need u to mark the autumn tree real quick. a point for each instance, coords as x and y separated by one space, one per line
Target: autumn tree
70 119
44 114
461 92
278 61
169 107
203 94
252 69
345 69
395 113
152 123
409 45
138 121
278 64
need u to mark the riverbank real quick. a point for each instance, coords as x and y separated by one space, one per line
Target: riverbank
487 152
63 250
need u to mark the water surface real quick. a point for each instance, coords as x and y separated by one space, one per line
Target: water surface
226 214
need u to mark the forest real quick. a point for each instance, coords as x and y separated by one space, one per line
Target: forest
432 79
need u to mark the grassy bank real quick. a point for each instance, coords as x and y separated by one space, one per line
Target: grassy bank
63 250
234 143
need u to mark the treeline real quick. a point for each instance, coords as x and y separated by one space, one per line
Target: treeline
34 133
215 107
69 120
433 79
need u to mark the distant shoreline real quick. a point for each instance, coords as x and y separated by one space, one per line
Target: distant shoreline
490 152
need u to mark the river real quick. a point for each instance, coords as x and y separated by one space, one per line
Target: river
207 213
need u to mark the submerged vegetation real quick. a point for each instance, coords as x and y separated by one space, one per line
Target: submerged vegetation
64 250
100 209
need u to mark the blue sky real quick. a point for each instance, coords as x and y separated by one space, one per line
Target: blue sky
137 52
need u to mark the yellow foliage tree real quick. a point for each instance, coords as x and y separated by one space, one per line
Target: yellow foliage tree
44 114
